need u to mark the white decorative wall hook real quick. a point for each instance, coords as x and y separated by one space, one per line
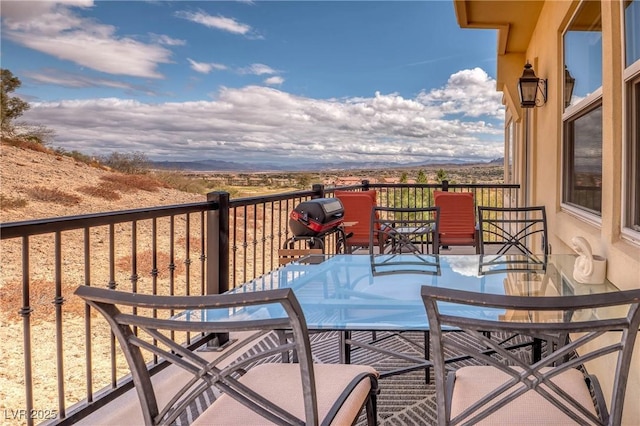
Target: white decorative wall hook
588 268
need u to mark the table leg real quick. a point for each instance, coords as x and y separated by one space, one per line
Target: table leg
345 347
427 349
536 349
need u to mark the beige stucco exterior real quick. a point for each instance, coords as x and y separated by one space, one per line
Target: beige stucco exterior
536 29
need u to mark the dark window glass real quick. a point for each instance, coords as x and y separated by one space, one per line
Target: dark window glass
583 160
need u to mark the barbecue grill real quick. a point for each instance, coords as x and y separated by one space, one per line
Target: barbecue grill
317 217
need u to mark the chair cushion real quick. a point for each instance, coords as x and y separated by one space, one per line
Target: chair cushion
473 382
281 384
357 208
457 217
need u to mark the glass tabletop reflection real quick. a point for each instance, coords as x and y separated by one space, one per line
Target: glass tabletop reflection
382 292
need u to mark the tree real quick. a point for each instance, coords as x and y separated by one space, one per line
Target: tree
441 175
132 163
304 180
422 177
12 106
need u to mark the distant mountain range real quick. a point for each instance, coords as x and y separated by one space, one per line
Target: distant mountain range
230 166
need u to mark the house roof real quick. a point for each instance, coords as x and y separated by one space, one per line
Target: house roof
515 20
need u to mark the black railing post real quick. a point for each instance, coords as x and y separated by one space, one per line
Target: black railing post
218 244
218 255
318 190
445 185
365 185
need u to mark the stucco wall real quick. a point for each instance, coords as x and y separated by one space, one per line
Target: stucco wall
545 54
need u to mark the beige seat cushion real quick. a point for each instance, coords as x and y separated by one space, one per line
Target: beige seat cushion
528 409
281 384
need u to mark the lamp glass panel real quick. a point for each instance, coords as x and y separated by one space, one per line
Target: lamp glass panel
528 91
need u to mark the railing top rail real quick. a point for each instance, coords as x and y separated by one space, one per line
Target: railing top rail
345 188
249 201
450 185
65 223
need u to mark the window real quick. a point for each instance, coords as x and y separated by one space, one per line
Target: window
631 180
583 160
582 121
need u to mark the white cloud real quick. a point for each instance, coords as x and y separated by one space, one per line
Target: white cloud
53 28
166 40
217 22
26 11
257 69
274 81
205 67
262 125
471 93
79 81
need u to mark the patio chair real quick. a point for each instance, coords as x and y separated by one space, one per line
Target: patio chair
513 230
254 385
405 229
458 219
357 213
497 386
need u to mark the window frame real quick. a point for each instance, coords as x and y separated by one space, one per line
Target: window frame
631 133
570 113
575 209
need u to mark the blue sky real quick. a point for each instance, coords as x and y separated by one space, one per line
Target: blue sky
260 82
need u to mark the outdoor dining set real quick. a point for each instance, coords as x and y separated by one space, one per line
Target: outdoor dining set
506 333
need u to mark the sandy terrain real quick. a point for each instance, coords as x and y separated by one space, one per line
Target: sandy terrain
21 171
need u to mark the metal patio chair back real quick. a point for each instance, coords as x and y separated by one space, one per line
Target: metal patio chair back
252 380
405 229
512 230
495 385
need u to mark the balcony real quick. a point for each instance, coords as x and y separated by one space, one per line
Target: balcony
69 364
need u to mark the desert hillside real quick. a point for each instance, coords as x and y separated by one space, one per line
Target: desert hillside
37 185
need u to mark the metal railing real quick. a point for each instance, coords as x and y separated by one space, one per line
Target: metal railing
198 248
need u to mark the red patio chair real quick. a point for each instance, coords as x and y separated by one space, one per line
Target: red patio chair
457 219
357 211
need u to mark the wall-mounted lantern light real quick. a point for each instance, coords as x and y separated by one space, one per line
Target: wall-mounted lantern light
569 82
528 87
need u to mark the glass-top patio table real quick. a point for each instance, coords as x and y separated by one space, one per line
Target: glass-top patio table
382 292
374 293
